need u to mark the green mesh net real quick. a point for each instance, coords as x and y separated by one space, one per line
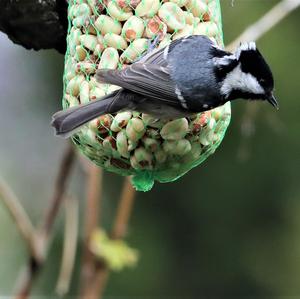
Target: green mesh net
112 34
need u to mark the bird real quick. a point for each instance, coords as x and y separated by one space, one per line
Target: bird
190 75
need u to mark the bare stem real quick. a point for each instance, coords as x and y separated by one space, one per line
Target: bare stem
119 230
124 210
27 277
70 245
266 22
101 275
64 172
92 212
19 216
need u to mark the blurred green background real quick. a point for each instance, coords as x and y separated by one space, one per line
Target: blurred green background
229 228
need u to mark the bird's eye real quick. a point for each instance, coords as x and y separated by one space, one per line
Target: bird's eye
262 81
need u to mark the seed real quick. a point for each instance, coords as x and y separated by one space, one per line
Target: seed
180 3
150 144
72 101
117 13
143 158
175 129
194 154
196 7
86 67
84 93
122 144
120 121
135 49
133 28
186 31
81 21
207 28
74 84
109 144
82 10
96 6
101 124
96 93
89 137
80 53
147 8
178 147
201 120
206 137
151 121
135 129
115 41
132 145
154 27
89 41
109 59
98 50
106 24
172 15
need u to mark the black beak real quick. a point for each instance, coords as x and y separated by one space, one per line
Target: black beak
271 99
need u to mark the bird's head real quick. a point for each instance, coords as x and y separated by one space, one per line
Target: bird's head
251 78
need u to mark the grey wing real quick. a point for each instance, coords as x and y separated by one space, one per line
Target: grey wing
151 81
150 77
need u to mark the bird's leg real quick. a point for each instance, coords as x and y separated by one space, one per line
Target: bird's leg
151 46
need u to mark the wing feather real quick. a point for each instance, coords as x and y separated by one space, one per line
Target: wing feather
150 76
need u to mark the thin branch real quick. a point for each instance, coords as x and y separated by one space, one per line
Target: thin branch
120 225
124 210
92 213
70 245
253 33
19 216
27 277
266 22
64 172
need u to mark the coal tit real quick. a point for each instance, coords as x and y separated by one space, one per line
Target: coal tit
188 76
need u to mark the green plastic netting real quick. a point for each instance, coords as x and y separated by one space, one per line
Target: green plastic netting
112 34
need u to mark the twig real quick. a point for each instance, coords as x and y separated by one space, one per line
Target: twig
92 213
266 22
27 277
59 189
124 210
19 216
70 245
253 33
120 225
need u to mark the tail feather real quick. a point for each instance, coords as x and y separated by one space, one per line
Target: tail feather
66 122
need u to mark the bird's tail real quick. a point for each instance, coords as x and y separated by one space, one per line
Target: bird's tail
67 121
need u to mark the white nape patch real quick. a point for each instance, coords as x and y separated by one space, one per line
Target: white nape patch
226 60
166 51
239 80
244 47
180 97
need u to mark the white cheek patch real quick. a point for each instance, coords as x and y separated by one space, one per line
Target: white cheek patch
238 80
